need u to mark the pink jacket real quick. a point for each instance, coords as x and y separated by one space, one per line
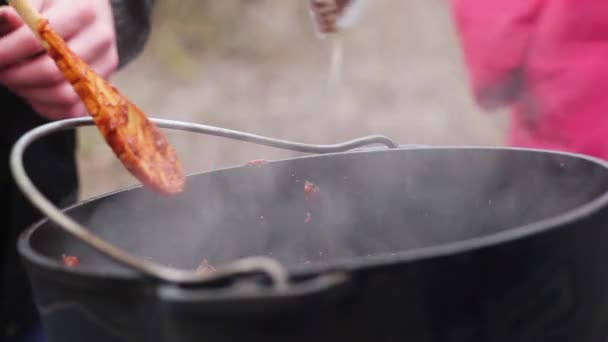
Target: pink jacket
548 61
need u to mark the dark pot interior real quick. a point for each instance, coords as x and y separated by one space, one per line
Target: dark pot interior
372 203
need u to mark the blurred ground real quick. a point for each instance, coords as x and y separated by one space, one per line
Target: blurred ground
257 66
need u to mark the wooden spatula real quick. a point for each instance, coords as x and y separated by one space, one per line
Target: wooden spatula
136 141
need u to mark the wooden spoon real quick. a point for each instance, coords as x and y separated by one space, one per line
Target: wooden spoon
135 140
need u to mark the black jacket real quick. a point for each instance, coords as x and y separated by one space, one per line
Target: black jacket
51 163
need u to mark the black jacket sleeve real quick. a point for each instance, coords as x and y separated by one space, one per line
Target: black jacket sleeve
133 24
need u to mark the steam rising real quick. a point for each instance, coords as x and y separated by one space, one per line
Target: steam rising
379 203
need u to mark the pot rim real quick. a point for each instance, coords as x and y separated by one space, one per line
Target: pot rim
362 262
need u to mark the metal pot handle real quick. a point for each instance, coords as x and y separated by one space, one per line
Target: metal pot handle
255 265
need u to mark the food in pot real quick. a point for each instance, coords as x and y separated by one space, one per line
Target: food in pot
311 191
256 162
135 140
205 268
311 195
70 260
308 217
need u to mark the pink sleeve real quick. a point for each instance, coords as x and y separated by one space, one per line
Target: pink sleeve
495 36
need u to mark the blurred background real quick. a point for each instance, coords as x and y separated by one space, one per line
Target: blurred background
257 66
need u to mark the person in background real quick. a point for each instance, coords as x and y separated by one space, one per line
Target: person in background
545 60
107 34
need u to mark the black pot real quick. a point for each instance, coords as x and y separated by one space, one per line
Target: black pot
404 244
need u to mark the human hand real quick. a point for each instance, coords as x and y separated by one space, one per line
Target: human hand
7 22
88 28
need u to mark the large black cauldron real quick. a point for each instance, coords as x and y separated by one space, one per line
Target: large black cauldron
402 244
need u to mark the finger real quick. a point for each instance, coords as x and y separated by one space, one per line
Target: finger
9 20
39 72
18 45
96 46
68 18
60 112
43 74
106 65
45 4
22 43
61 94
